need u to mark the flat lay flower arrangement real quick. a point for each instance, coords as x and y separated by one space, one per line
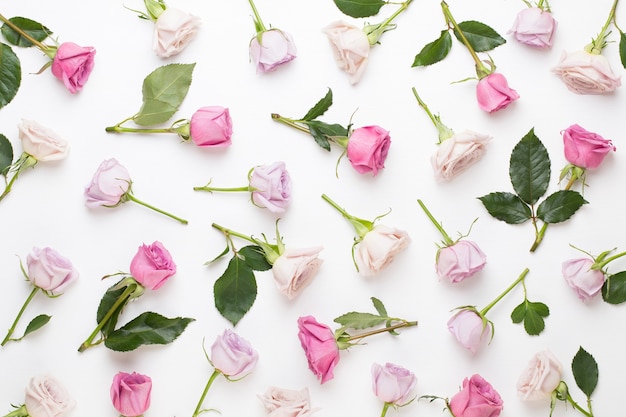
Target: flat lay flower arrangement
339 208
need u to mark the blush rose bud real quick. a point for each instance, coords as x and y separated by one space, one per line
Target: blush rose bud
535 27
367 149
540 378
45 397
130 393
351 48
477 398
174 29
493 93
152 266
281 402
211 126
392 384
73 64
586 73
295 269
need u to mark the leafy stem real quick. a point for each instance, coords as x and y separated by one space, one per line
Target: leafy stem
484 311
228 232
158 210
48 50
361 226
374 32
258 22
227 189
19 315
444 131
403 323
290 122
597 44
199 409
446 238
578 407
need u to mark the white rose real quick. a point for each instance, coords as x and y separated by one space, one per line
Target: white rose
295 269
173 30
378 249
541 377
457 153
281 402
46 397
41 143
586 73
350 47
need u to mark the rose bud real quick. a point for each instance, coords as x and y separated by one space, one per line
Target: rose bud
351 48
534 27
211 126
493 93
585 149
174 29
586 73
320 347
72 64
540 378
477 398
130 393
152 266
367 149
271 49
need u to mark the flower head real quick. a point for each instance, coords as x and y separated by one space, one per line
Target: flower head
459 261
211 126
367 149
393 384
233 355
108 185
270 49
585 149
585 281
470 329
351 48
586 73
535 27
378 248
493 93
46 397
152 265
130 393
457 153
73 64
271 187
294 270
320 347
49 270
282 402
42 143
174 29
540 378
477 398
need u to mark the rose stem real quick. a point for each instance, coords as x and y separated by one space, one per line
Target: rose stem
136 200
211 189
19 315
446 238
382 330
385 408
214 375
484 311
289 122
228 232
257 17
32 40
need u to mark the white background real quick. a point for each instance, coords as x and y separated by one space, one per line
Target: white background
46 207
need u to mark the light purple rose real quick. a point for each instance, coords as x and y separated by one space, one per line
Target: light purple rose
73 64
585 282
108 185
459 261
393 384
534 27
49 270
271 187
211 126
233 355
469 329
271 49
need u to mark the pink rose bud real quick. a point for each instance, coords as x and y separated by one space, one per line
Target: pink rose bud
477 398
459 261
72 64
152 265
393 384
367 149
294 270
586 73
379 248
320 347
281 402
233 355
271 49
540 378
271 187
493 93
50 271
585 149
469 329
42 143
457 153
534 27
46 397
211 127
585 282
130 393
173 30
350 48
110 182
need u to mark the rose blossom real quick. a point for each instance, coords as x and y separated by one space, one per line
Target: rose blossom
493 93
110 182
233 355
586 73
392 384
130 393
271 187
72 64
350 48
469 329
367 149
378 249
534 27
152 265
457 153
281 402
211 127
50 271
477 398
585 149
173 30
320 347
459 261
46 397
271 49
585 282
540 378
294 269
40 142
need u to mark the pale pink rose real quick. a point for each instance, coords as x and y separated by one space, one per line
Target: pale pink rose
493 93
540 378
233 355
457 153
281 402
272 49
320 347
152 265
46 397
50 271
586 73
459 261
173 30
585 149
211 126
367 149
393 384
72 64
469 329
585 282
477 398
130 393
379 248
351 48
271 187
40 142
295 269
534 27
110 182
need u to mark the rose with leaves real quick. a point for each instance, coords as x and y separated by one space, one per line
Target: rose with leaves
45 396
393 385
535 26
130 393
283 402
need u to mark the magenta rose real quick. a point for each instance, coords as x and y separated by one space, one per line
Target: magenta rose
585 282
459 261
108 185
211 126
534 27
493 93
233 355
152 265
393 384
367 149
271 49
72 64
320 347
50 271
583 148
271 187
477 398
469 329
130 393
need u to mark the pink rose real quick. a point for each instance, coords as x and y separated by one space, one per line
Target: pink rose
281 402
72 64
350 48
367 149
469 329
585 149
320 347
173 30
540 378
295 269
393 384
152 265
585 282
50 271
586 73
233 355
534 27
459 261
378 249
40 142
46 397
211 127
271 187
477 398
108 185
493 93
457 153
271 49
130 393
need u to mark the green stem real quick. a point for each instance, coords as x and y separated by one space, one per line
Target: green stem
233 189
578 407
385 408
198 409
158 210
607 260
19 412
290 122
120 129
7 188
400 325
444 131
446 238
541 3
484 311
45 48
374 32
257 18
228 232
19 315
599 42
362 227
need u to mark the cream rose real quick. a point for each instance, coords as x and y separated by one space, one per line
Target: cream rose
46 397
173 31
350 47
455 154
281 402
540 378
586 73
40 142
378 249
295 269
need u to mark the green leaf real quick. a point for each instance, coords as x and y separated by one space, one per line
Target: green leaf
254 257
224 252
360 8
435 51
354 320
622 48
614 288
35 29
480 36
560 206
36 324
532 314
154 112
235 291
506 207
106 304
324 132
6 155
146 329
379 306
585 370
320 107
529 168
10 74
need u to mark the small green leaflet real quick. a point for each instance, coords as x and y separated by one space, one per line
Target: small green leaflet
482 37
323 133
532 314
378 305
235 291
622 48
506 207
359 321
585 370
529 168
106 303
6 155
560 206
320 107
254 257
36 324
614 288
10 74
35 29
146 329
435 51
360 8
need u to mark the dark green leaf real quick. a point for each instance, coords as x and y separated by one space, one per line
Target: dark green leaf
10 74
224 252
354 320
235 290
532 314
585 370
560 206
324 132
320 107
614 288
529 168
622 48
435 51
506 207
360 8
35 29
378 305
106 304
6 155
254 257
37 323
480 36
146 329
